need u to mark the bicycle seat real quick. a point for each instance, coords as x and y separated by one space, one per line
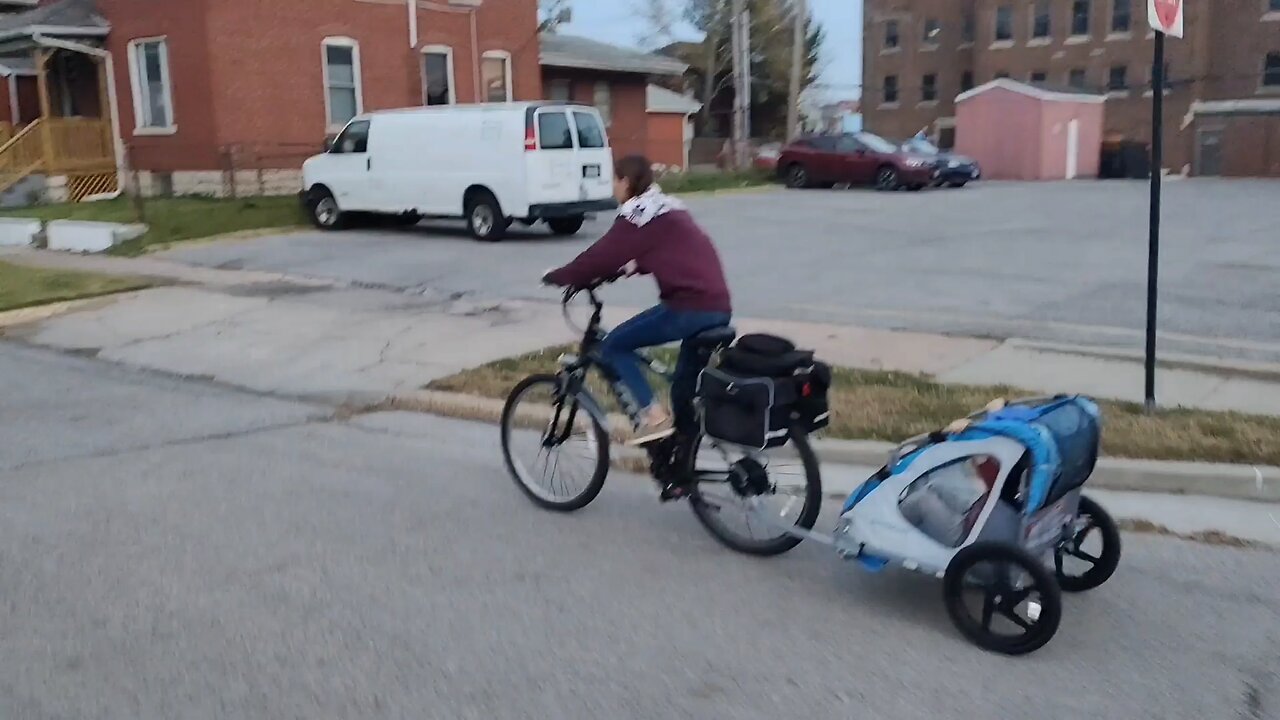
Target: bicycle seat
713 338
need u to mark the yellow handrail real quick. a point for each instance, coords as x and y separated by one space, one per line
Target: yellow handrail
78 144
21 156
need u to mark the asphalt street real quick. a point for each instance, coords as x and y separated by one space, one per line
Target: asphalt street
1062 262
172 549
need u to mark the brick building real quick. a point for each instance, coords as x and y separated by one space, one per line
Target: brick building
1222 109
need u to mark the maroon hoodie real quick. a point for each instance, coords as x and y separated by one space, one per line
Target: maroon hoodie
670 247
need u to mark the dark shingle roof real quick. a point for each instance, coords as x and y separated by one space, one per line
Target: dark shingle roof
82 15
568 51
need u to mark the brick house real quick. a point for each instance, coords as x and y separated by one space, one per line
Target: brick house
1222 110
185 91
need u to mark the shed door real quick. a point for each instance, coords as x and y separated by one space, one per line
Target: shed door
1209 152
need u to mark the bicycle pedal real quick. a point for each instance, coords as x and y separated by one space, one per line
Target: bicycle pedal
673 491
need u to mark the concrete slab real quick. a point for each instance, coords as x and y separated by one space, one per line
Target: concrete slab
90 237
19 232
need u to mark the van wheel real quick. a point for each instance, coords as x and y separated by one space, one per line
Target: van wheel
567 225
485 220
324 211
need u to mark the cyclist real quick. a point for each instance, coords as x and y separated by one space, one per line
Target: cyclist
654 234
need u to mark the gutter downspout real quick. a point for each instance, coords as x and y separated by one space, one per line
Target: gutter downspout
413 23
111 92
475 56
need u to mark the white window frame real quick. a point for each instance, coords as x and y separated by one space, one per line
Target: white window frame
139 88
447 51
605 88
354 45
505 57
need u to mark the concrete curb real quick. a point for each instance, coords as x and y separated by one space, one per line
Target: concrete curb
1237 482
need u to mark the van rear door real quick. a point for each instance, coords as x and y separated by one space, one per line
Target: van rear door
594 155
552 157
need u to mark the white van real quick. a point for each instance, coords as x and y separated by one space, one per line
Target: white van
491 164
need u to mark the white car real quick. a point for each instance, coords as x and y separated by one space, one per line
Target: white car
491 164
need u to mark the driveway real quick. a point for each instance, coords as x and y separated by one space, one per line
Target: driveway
1060 262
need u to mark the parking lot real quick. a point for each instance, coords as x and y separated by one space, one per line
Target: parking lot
1061 262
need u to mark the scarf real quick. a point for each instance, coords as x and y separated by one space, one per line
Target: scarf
648 205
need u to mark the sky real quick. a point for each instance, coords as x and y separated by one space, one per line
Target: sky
614 21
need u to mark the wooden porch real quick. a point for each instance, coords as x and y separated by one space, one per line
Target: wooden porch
73 136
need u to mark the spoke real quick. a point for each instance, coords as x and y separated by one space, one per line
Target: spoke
1057 562
988 608
1078 553
1013 617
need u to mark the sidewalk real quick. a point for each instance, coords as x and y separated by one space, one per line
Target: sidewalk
339 342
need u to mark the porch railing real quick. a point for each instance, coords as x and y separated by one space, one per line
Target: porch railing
68 146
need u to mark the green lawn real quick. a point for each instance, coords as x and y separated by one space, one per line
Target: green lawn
692 182
22 286
877 405
177 219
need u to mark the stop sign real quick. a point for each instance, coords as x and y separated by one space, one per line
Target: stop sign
1165 16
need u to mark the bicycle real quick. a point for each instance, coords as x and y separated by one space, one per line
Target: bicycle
570 416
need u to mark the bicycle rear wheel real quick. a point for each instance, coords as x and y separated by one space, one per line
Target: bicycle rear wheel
555 450
748 499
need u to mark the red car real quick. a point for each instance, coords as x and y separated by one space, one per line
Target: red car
858 159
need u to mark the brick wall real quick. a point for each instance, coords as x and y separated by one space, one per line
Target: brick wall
628 127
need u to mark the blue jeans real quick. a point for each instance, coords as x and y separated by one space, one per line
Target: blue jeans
658 326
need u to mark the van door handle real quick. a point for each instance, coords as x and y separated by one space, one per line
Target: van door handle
368 163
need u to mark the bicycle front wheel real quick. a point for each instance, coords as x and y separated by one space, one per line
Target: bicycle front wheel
749 500
555 450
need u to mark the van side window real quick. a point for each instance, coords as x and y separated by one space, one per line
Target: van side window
354 139
590 134
553 131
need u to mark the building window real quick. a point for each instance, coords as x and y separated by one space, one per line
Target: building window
559 90
495 76
1121 16
1004 23
342 89
1042 20
437 75
966 80
1271 69
932 29
1076 79
602 98
1039 76
1002 75
968 27
1273 5
890 89
929 88
1080 17
152 86
890 34
1118 78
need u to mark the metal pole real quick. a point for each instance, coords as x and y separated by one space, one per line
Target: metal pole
735 31
744 154
1153 250
797 68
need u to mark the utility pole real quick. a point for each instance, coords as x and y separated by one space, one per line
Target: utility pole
741 49
800 7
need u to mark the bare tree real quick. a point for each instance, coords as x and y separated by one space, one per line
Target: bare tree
554 13
659 19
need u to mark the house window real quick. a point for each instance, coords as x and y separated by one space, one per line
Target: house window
1004 23
966 80
1080 17
1002 75
929 88
891 88
343 99
1121 16
932 29
1271 69
1042 21
437 74
152 86
1076 78
1273 5
602 98
1118 78
495 75
1039 76
559 90
968 27
890 34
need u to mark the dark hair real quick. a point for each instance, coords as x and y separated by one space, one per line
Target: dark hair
637 171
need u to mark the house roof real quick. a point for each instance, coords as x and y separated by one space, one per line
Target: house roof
17 65
1039 91
662 100
569 51
65 17
1247 106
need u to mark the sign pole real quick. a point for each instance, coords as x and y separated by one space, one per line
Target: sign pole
1153 250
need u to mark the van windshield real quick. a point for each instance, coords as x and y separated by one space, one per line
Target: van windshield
590 134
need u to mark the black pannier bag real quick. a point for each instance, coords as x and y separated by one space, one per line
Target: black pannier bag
762 387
